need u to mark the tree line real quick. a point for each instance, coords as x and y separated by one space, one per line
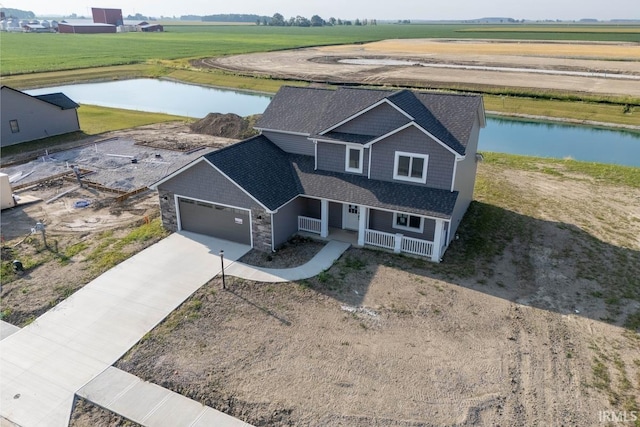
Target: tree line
277 20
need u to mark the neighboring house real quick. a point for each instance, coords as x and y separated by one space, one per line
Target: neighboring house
26 118
396 168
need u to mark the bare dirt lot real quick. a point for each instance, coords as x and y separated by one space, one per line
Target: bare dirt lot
519 326
598 68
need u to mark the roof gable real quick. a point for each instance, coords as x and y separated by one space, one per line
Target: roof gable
59 99
315 112
261 168
295 110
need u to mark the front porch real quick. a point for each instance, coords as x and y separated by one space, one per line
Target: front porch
366 226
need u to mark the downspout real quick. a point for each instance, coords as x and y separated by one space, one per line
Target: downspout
273 242
315 154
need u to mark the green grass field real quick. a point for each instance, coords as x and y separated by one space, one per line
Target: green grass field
29 53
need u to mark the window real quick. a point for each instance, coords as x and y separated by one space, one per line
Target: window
408 222
14 126
410 167
353 161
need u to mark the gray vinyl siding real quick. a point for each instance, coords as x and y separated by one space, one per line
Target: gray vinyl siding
36 119
311 208
413 140
335 215
332 157
383 221
296 144
378 121
465 180
285 221
203 182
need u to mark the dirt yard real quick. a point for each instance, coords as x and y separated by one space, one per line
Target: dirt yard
520 325
564 66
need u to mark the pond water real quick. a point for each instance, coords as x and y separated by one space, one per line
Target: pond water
560 141
162 96
501 135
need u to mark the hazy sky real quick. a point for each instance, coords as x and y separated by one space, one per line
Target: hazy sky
349 9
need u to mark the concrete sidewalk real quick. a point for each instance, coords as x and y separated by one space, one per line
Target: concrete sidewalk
149 404
46 362
320 262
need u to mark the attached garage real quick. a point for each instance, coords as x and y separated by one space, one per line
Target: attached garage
219 221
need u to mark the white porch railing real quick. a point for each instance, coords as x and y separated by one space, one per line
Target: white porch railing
417 246
311 225
380 239
398 243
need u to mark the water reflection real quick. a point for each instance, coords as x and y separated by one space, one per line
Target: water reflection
161 96
505 135
561 141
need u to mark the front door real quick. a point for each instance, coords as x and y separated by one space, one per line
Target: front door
351 217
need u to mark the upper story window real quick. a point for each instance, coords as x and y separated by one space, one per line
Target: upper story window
410 167
14 126
353 160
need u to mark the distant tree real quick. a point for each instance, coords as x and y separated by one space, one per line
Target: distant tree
332 21
316 21
357 22
340 21
291 22
138 17
277 20
364 21
347 22
18 13
264 21
374 22
301 21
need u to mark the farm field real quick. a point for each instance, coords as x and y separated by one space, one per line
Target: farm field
50 52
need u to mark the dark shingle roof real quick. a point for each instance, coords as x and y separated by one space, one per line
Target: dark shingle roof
347 137
449 118
410 104
261 168
274 177
455 112
358 189
58 99
295 109
347 102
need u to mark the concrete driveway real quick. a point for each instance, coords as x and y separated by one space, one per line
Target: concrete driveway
46 362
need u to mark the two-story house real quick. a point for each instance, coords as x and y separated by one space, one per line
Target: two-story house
397 168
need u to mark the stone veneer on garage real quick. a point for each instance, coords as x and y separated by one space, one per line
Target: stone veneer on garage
260 221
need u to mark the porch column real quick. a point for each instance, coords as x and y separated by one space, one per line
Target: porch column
438 235
362 224
324 218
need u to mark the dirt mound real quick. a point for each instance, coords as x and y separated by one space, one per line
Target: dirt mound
226 125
